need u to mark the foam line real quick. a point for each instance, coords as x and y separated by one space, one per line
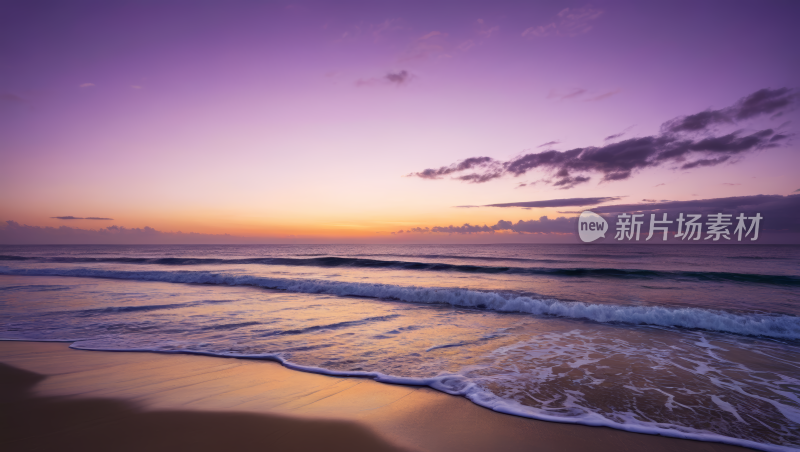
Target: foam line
455 384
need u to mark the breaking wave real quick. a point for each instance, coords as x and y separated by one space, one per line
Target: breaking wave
772 326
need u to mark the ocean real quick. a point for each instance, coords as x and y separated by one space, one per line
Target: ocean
689 341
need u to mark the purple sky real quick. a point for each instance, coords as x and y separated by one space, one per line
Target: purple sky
311 121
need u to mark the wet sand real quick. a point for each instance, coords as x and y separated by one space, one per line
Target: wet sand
56 398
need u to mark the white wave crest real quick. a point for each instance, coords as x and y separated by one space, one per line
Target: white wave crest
774 326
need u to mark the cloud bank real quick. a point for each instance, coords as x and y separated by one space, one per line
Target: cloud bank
70 217
779 212
679 143
14 233
779 216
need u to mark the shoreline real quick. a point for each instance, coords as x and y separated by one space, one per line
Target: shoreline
89 400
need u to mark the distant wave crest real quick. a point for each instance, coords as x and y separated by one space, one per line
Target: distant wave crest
751 278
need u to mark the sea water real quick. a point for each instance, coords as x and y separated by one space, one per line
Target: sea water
690 341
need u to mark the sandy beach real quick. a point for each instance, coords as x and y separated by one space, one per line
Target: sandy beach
56 397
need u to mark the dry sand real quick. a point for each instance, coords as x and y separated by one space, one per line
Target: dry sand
55 398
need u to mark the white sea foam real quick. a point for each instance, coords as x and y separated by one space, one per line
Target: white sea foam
773 326
456 384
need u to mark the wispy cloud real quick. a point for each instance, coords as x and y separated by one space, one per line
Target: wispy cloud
431 45
70 217
579 92
379 31
12 232
573 94
87 85
485 30
568 202
603 96
675 145
617 135
468 164
549 143
375 32
568 22
11 98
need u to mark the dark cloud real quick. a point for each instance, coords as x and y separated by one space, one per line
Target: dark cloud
478 178
413 231
466 229
569 182
549 143
558 202
612 137
705 162
402 77
733 143
468 164
70 217
762 102
779 213
706 205
620 160
696 122
543 225
398 77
